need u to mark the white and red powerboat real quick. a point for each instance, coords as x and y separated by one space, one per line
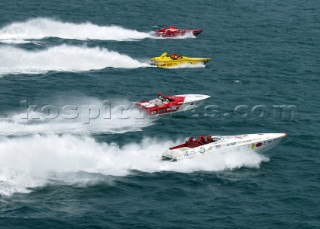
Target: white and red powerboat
172 104
172 31
212 144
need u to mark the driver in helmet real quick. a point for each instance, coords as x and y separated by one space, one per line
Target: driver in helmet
174 56
160 96
202 139
190 139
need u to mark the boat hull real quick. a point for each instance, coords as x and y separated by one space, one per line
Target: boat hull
176 63
179 103
165 61
251 142
178 32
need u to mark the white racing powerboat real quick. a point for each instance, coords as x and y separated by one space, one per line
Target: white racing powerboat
211 144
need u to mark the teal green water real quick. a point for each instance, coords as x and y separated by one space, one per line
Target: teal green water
58 173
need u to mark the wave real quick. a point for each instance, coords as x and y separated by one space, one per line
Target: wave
40 28
92 116
62 58
38 160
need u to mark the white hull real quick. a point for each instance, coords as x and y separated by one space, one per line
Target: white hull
252 142
192 101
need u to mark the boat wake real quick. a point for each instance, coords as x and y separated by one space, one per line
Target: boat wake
62 58
38 160
91 116
41 28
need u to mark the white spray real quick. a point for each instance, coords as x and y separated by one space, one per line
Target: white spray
37 160
62 58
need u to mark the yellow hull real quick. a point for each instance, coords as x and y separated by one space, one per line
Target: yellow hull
164 61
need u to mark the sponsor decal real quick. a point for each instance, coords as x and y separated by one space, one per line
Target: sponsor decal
189 153
202 150
231 144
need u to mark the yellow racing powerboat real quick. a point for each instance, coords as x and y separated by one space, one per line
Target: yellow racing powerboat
174 60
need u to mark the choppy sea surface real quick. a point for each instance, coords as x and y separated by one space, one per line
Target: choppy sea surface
97 172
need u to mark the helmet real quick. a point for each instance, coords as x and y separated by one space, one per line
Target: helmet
173 54
159 94
167 97
202 137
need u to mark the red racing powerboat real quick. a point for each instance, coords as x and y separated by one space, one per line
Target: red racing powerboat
172 31
172 104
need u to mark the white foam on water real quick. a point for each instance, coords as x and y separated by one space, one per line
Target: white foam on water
62 58
92 116
38 160
39 28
